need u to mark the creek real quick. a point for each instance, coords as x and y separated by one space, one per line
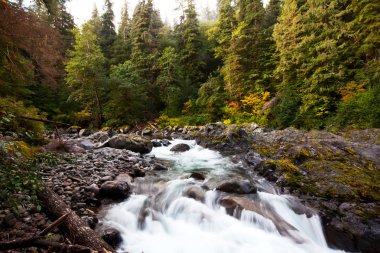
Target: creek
171 212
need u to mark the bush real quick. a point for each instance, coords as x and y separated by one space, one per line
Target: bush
10 121
361 110
19 172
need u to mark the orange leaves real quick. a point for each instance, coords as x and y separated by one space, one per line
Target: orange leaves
255 102
351 90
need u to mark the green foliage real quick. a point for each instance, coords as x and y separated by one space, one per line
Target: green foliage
86 72
107 34
10 112
285 113
168 81
19 172
360 111
127 103
211 97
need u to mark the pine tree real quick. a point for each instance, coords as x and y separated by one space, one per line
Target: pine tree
242 66
189 43
121 50
107 34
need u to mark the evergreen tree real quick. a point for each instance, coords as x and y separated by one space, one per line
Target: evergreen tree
86 74
121 50
107 34
242 66
189 43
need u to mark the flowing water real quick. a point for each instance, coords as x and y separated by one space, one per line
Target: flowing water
162 217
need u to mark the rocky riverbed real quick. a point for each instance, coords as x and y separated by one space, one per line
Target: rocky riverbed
336 174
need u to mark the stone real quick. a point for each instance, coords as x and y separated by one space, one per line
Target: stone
196 193
197 176
182 147
253 159
131 142
237 186
156 143
116 190
113 237
85 132
159 167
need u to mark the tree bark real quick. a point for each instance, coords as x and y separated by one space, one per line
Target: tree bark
73 226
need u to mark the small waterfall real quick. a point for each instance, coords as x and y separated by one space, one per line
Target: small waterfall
171 220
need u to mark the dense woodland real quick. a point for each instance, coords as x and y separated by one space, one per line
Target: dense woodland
303 63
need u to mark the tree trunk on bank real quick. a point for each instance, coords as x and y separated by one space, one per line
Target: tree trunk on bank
73 226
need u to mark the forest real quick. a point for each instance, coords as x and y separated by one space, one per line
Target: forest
307 64
274 100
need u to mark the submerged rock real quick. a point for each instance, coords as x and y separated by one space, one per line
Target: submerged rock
182 147
237 186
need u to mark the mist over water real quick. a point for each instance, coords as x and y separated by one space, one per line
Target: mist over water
164 219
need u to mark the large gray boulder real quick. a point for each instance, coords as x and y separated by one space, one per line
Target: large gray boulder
131 142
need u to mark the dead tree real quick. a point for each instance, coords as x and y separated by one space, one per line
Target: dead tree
73 226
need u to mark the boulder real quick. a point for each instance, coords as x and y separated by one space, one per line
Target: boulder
196 193
116 190
112 236
156 143
182 147
131 142
197 176
85 132
237 186
253 159
159 167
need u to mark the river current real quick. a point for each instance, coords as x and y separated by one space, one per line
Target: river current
162 217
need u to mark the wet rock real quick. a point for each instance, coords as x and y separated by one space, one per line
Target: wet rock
147 132
237 186
114 190
138 173
156 143
165 142
131 142
182 147
159 167
197 176
73 130
234 205
196 193
253 159
85 132
113 237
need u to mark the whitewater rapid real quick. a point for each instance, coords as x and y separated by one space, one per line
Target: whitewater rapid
162 218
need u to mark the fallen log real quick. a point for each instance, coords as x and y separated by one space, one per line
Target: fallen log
73 226
39 242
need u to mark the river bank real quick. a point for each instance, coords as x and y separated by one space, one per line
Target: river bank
337 175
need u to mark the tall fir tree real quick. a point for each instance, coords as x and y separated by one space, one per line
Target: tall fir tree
242 67
107 34
121 50
189 43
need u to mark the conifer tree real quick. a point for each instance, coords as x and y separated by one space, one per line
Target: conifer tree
107 34
121 50
86 74
242 66
189 43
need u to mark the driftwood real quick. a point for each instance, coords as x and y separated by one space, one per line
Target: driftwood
73 226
